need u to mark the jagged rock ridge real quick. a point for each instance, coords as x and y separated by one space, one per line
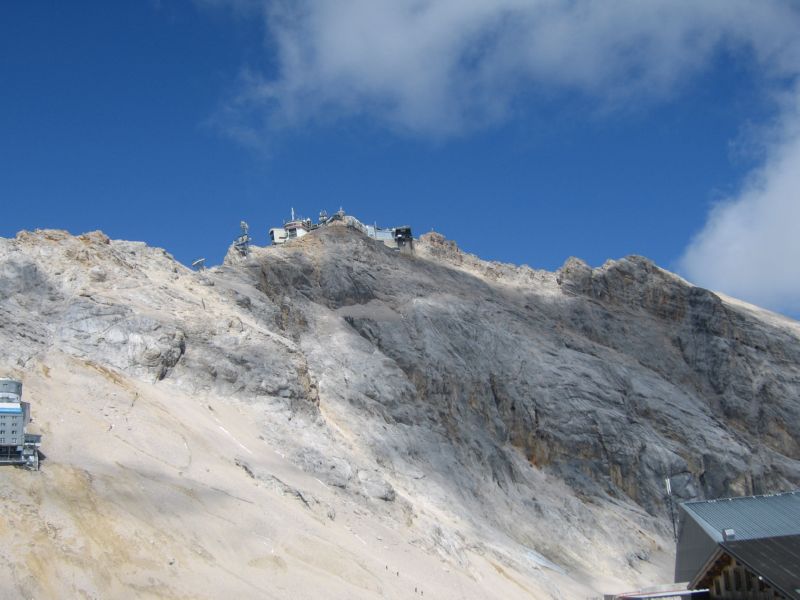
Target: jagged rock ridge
483 409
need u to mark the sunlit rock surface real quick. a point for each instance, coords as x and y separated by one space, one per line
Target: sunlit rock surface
332 418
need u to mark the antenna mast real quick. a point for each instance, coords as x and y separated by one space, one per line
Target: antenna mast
668 485
242 243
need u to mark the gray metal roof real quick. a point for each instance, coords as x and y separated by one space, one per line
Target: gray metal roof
775 559
751 517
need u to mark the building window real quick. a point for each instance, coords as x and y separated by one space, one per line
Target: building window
737 580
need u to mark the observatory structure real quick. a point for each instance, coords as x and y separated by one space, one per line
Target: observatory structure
398 238
293 228
16 446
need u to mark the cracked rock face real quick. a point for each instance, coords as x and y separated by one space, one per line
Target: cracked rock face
540 411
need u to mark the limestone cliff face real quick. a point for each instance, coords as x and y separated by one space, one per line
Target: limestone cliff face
744 369
613 378
529 409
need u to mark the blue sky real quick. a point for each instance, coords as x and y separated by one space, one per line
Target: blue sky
526 130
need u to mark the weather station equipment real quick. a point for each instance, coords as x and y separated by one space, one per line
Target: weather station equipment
242 243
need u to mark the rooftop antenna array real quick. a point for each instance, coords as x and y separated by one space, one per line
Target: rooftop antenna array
242 243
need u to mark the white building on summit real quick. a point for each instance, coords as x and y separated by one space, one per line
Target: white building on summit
394 237
294 228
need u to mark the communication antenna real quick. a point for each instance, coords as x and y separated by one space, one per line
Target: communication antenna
242 243
293 213
668 486
199 264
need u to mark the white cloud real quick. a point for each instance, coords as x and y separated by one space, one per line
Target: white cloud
442 67
750 245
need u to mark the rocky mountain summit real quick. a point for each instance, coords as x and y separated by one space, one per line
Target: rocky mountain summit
332 418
